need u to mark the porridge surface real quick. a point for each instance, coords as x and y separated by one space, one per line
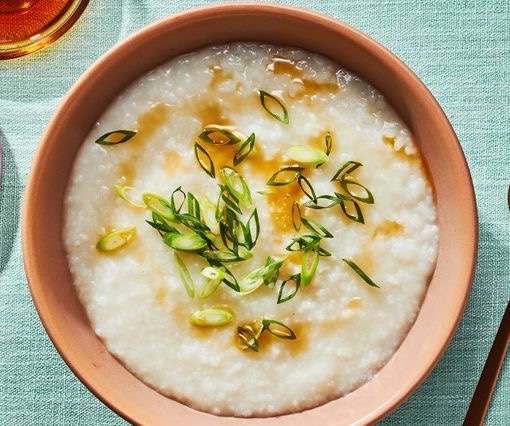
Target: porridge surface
346 330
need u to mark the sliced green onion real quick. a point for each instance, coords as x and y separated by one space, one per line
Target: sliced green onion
189 241
115 137
160 224
283 294
228 255
173 203
296 216
208 211
249 335
184 276
362 275
211 317
193 205
281 115
307 155
346 169
231 281
285 176
251 230
328 140
309 265
244 150
220 135
272 271
236 186
316 228
278 329
368 198
204 160
322 202
345 203
214 276
115 240
158 205
307 188
303 242
259 276
121 190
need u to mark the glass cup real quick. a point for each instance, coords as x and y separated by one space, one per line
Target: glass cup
29 25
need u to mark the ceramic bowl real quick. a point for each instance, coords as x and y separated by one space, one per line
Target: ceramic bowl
45 260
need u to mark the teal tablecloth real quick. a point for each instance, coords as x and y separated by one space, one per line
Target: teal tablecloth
461 50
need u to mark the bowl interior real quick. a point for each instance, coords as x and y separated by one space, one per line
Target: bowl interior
45 260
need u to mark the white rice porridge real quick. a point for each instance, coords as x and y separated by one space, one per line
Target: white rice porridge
345 329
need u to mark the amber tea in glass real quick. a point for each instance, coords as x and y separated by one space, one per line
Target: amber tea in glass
29 25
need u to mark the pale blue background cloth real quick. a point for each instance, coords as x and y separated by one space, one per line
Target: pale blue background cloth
460 49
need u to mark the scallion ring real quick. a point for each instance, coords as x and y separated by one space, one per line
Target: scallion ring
307 188
115 240
346 169
284 294
244 150
211 317
115 137
188 241
360 272
346 204
204 160
266 98
157 204
184 276
316 228
306 155
236 186
347 185
220 135
296 216
285 176
309 265
278 329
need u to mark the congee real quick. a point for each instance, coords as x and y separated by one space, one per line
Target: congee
251 229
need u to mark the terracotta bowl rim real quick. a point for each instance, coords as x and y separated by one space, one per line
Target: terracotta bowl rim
97 67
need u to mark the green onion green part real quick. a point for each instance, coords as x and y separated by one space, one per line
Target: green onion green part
346 169
309 265
244 150
189 241
211 317
307 155
184 276
220 135
204 160
115 240
278 329
347 185
347 205
285 176
236 186
296 216
307 188
316 228
115 137
280 112
284 294
360 272
214 276
159 205
328 140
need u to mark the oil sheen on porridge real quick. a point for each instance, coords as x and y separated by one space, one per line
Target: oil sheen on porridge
185 303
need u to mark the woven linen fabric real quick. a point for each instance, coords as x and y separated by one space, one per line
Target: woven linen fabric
460 49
